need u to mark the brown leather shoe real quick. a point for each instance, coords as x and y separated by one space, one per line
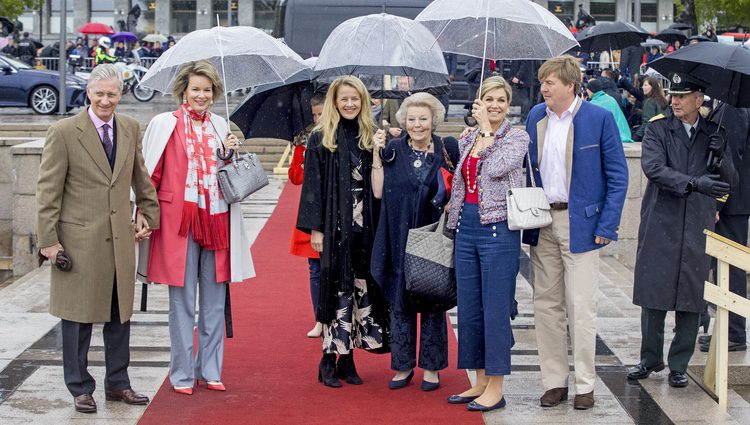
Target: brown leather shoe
584 401
84 403
127 395
553 397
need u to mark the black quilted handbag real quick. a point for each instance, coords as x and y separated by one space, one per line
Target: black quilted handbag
428 268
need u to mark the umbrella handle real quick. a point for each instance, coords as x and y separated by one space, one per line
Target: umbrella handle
224 156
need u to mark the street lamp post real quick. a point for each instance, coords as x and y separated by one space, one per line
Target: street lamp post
62 63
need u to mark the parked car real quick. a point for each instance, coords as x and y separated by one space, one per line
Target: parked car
23 86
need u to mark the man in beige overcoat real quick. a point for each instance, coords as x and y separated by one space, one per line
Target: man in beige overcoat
89 164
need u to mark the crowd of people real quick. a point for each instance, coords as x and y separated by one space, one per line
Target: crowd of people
370 172
102 49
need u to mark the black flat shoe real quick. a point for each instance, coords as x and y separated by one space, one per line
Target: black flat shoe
431 386
640 371
476 407
678 379
457 399
733 346
704 339
401 383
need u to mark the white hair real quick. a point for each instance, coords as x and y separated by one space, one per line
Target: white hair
425 100
105 71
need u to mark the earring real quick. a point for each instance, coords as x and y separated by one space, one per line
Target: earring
212 102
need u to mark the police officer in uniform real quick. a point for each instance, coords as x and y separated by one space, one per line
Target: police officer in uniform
102 54
680 201
27 49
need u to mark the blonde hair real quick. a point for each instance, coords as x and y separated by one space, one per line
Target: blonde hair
329 119
565 68
494 83
423 100
203 68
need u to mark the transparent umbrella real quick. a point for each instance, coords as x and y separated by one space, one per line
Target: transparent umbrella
243 56
375 46
497 29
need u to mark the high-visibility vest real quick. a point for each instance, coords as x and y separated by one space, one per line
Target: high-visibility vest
102 56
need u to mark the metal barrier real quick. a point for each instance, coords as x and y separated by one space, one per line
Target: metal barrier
602 65
726 252
51 63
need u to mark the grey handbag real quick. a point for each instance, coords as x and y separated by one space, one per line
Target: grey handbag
528 207
428 268
241 177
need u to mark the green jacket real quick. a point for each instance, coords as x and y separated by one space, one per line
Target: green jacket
609 103
651 109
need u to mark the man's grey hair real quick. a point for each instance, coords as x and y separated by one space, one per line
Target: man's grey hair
424 100
103 72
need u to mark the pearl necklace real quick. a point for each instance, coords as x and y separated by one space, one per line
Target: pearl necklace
469 187
472 153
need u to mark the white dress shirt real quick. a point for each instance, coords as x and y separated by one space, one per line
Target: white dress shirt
552 167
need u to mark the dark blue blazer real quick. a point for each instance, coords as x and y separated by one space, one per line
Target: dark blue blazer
598 175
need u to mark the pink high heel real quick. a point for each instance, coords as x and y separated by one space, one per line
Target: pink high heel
183 390
213 385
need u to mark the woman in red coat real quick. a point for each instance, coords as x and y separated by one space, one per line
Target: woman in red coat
300 245
201 245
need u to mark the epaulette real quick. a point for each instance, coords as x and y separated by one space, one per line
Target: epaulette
657 118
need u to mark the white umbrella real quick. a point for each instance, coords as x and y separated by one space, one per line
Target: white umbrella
376 45
243 56
155 38
497 29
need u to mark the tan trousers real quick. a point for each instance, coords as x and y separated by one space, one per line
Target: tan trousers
565 283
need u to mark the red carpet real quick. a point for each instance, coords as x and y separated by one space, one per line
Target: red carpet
270 367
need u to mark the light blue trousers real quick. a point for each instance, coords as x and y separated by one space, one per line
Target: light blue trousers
185 365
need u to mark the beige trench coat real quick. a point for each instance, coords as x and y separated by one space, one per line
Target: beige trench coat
84 204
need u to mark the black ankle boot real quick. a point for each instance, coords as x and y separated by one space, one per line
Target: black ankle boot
345 369
327 371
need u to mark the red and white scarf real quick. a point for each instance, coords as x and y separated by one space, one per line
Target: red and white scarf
205 214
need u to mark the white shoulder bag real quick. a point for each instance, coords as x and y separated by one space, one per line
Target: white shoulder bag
528 207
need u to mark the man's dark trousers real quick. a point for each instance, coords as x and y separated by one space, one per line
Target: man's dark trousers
735 227
683 344
76 338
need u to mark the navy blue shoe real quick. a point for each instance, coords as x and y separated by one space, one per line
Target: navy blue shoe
457 399
401 383
476 407
431 386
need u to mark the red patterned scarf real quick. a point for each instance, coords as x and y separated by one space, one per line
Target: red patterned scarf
205 214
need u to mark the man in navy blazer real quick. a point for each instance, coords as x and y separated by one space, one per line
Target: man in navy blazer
577 157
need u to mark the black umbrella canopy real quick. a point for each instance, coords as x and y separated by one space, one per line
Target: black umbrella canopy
612 36
725 67
671 35
6 26
679 26
277 110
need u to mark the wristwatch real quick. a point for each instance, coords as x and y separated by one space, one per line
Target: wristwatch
487 134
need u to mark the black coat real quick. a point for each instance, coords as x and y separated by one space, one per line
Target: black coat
406 204
671 263
326 206
631 59
736 123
